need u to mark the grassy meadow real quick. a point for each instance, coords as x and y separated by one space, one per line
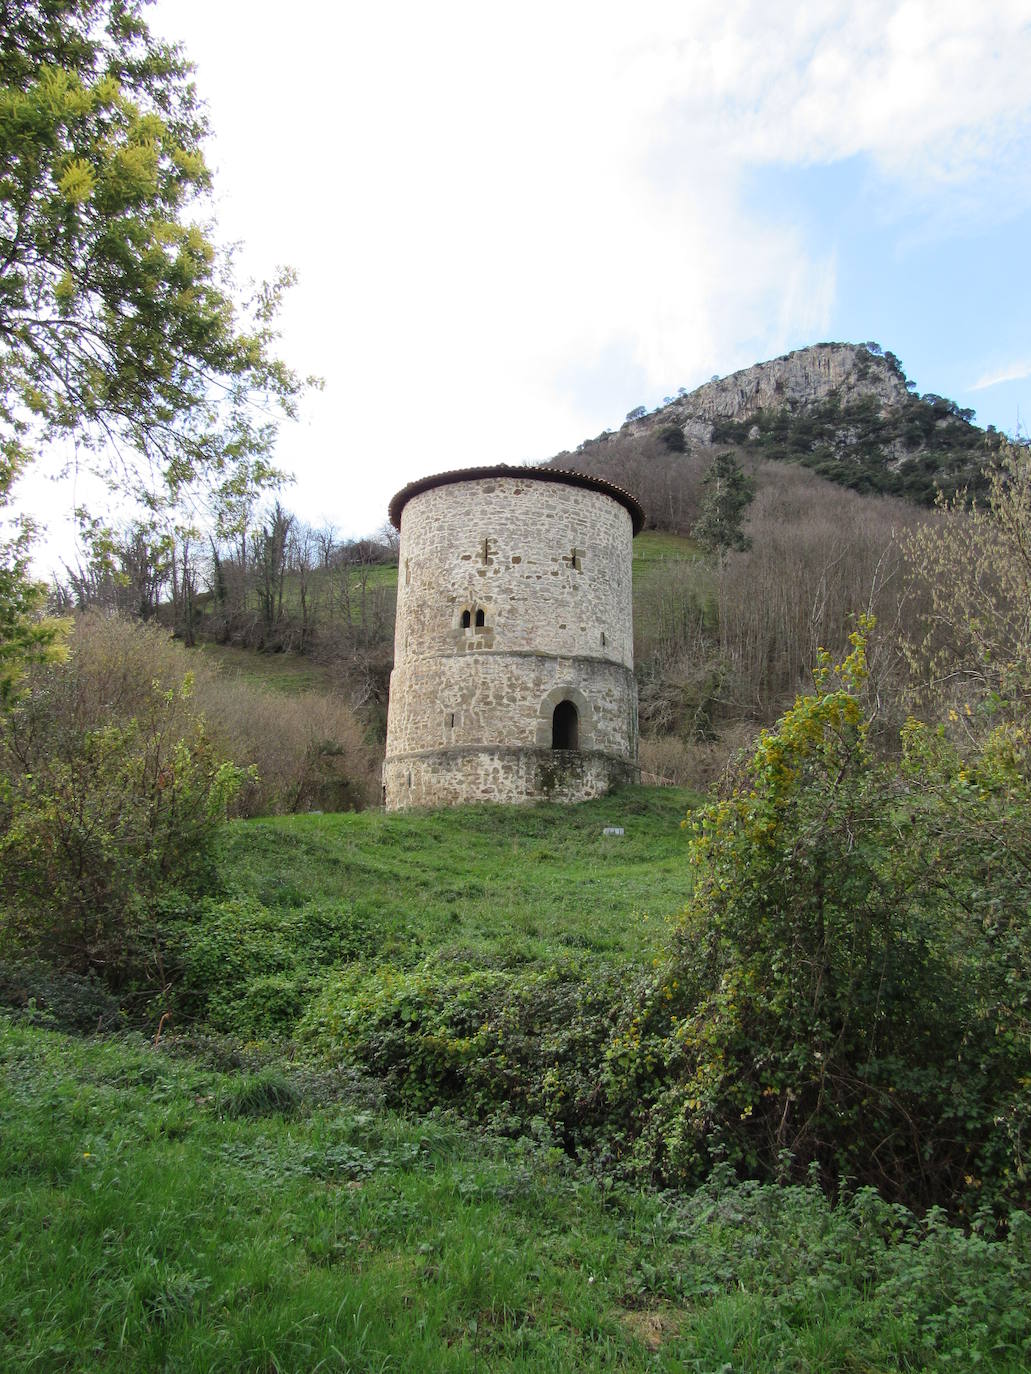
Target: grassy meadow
531 882
189 1213
238 1197
286 674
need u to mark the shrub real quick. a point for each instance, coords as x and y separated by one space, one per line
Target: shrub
244 968
308 752
851 981
111 794
670 761
46 996
529 1041
971 571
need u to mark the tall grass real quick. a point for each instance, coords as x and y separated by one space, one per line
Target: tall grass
159 1214
307 750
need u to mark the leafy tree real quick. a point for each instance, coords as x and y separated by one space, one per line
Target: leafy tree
727 495
971 657
672 438
27 636
118 326
850 982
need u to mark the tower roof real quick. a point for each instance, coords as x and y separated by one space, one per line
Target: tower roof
569 479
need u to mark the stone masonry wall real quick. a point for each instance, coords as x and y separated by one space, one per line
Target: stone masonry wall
513 595
451 777
495 698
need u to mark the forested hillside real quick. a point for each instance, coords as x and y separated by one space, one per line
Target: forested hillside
847 411
839 459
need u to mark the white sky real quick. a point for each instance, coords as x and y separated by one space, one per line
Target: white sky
513 224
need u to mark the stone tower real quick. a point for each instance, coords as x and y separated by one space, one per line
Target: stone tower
513 655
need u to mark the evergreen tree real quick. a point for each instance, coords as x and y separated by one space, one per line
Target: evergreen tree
728 493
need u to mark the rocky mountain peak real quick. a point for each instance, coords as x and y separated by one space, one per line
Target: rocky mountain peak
845 410
802 378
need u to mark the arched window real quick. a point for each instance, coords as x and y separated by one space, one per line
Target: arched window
467 619
479 620
565 727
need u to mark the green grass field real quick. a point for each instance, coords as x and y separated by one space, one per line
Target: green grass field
659 546
215 1203
536 881
182 1213
287 673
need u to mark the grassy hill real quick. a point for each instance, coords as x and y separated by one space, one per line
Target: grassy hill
161 1212
315 904
492 880
222 1204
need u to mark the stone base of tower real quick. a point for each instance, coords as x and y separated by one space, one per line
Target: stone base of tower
450 777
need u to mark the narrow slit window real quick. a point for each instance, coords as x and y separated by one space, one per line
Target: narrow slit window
565 727
467 619
479 620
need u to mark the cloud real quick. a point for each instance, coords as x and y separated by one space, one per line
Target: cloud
932 90
1012 372
487 205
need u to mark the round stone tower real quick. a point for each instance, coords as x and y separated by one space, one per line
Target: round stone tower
513 654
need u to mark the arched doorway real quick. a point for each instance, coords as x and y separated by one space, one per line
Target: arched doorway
565 727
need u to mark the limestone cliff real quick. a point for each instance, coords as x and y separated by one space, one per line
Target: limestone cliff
845 410
799 379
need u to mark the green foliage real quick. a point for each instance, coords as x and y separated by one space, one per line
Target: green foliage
43 995
27 635
672 439
527 1040
117 321
916 448
110 795
148 1223
726 496
310 896
250 969
851 980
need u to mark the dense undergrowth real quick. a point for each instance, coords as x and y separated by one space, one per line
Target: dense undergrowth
206 1212
919 449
